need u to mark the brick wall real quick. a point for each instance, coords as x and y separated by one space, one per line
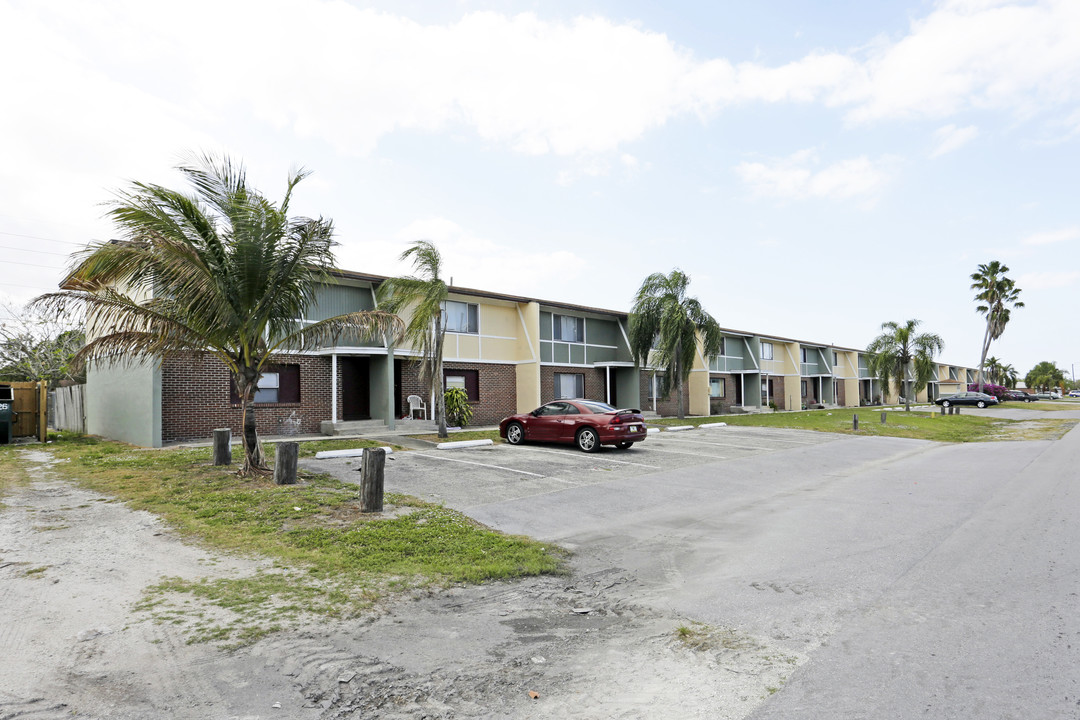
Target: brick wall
498 390
195 398
723 404
595 381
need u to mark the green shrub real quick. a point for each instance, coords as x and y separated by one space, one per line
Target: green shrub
458 410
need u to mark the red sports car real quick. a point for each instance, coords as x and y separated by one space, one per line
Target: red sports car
586 423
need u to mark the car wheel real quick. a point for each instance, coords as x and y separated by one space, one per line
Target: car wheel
515 434
945 403
587 440
981 404
625 445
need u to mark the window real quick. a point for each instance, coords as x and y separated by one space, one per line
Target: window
835 358
656 382
804 388
716 387
568 329
569 385
278 384
805 355
766 351
461 317
723 346
467 380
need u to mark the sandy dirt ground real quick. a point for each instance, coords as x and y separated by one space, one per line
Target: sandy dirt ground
73 565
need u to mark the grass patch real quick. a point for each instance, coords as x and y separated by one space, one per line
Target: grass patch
915 424
330 559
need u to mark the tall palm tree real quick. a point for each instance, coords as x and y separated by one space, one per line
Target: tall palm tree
665 324
902 355
424 296
222 270
1008 375
996 294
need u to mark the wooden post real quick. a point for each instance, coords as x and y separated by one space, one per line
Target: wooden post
883 416
855 421
942 409
372 465
285 463
43 411
223 446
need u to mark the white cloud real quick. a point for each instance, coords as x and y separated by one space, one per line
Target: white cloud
1053 236
1047 280
481 263
352 75
950 137
794 177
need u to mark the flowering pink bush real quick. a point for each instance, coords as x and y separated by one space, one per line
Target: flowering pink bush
997 391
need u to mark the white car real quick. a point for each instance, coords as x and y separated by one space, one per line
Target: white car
1074 393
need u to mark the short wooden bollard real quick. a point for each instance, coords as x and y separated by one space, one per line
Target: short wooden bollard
223 446
855 421
942 409
285 463
372 465
883 416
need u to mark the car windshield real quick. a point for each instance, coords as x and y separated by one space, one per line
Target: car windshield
595 406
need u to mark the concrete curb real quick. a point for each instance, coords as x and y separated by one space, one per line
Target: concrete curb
355 452
463 444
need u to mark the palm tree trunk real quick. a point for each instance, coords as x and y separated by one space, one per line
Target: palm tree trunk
437 380
985 349
679 378
254 460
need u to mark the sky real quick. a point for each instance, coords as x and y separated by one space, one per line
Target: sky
816 168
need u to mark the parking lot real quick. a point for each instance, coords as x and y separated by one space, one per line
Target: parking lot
469 477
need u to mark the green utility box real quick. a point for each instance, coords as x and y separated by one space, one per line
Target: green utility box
7 414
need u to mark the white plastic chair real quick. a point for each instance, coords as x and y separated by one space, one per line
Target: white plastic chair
415 403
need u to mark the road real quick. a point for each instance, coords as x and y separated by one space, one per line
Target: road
920 579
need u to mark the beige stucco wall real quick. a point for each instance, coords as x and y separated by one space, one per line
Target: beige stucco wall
528 354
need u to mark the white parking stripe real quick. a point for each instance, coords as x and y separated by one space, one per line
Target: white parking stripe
720 444
469 462
653 448
605 459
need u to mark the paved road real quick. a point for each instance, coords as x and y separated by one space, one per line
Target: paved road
919 579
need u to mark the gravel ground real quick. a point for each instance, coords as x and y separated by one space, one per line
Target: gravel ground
73 565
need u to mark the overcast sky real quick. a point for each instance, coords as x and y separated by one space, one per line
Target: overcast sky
817 168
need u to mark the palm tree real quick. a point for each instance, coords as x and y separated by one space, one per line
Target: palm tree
993 371
996 295
424 295
222 270
1044 376
1009 375
901 355
665 323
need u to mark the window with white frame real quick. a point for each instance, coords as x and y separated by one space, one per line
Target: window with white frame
766 351
723 346
568 328
717 386
569 385
835 358
656 383
267 389
461 317
805 355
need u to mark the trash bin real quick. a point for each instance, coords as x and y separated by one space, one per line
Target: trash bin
7 414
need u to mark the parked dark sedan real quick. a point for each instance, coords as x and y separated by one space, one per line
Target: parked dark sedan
977 399
585 423
1020 396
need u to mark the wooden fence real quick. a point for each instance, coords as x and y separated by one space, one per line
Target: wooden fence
66 408
31 402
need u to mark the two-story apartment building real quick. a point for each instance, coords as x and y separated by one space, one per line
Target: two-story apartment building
509 353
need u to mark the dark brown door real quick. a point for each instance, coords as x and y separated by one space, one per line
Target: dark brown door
355 393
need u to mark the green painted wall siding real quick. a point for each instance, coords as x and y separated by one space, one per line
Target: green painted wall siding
545 325
601 354
601 332
331 300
